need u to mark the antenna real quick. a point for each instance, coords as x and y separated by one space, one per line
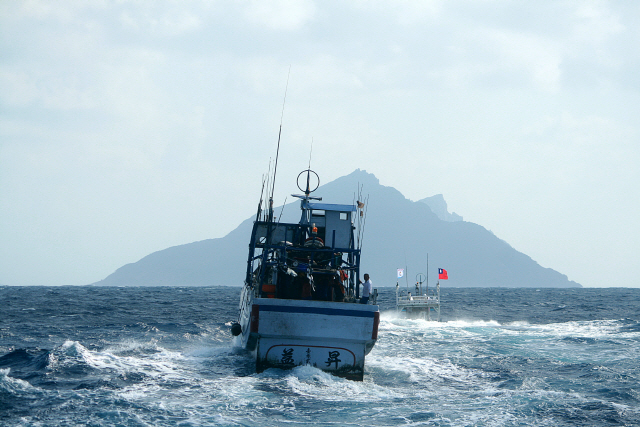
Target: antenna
406 270
308 190
275 169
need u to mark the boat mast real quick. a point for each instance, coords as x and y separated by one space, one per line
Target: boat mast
427 273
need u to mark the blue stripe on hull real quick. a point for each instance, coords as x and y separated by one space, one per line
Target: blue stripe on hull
317 310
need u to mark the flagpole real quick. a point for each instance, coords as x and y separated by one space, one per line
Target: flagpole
397 297
438 287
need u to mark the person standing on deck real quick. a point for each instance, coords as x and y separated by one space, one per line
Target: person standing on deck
366 289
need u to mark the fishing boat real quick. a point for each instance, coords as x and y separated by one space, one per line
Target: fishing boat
423 302
300 303
420 305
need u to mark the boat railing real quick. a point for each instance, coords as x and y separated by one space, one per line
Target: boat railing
374 296
418 299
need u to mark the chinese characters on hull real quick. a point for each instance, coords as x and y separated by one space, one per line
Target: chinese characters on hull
333 358
288 360
287 357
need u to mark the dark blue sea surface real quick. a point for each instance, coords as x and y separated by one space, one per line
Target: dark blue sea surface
163 356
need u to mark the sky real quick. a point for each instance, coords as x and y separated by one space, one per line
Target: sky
127 127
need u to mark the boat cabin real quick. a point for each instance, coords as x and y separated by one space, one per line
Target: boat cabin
313 259
333 223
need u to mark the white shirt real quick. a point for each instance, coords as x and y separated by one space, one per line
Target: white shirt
366 288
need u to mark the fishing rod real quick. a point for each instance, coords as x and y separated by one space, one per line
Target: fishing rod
363 206
364 220
261 195
359 218
268 180
282 210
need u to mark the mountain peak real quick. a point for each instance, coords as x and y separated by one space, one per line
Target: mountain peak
362 176
438 206
399 233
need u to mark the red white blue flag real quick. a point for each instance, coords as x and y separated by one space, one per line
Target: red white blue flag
442 274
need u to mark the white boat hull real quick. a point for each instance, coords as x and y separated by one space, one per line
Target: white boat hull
332 336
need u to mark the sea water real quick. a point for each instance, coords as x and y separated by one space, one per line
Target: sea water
106 356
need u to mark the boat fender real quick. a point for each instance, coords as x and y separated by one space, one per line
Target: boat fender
236 329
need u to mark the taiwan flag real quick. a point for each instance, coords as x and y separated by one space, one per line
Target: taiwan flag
442 274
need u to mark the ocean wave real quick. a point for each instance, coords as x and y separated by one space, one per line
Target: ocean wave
498 358
12 385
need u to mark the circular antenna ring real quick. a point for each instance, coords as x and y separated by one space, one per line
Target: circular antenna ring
307 190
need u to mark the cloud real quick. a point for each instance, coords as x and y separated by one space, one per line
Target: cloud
159 20
280 15
127 127
595 23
